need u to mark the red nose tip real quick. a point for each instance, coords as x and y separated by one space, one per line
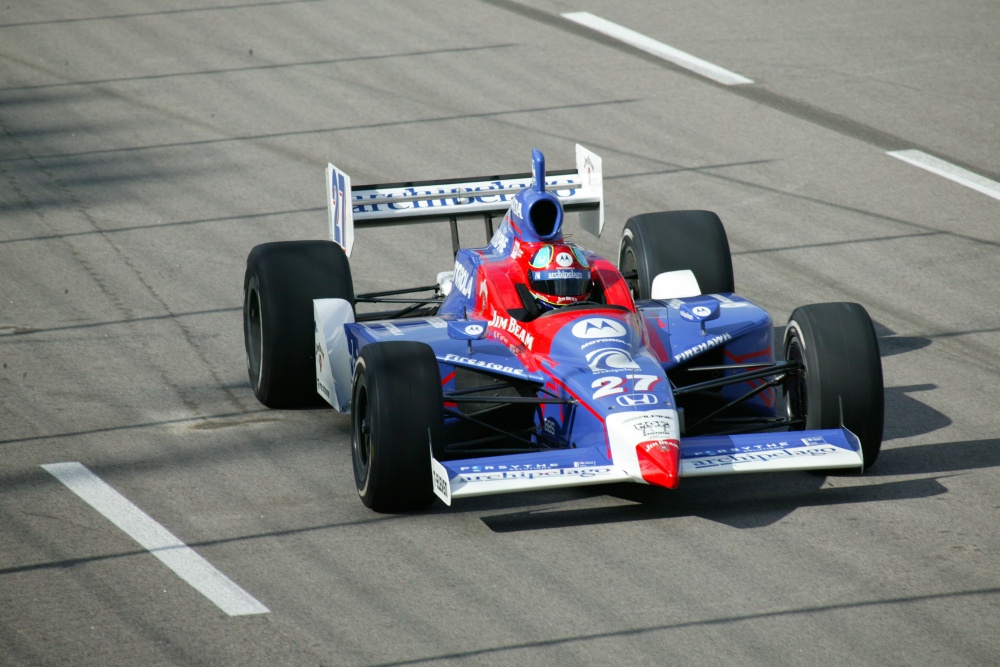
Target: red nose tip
658 461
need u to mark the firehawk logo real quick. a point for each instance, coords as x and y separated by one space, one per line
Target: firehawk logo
598 327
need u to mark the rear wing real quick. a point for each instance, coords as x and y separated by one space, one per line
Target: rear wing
485 197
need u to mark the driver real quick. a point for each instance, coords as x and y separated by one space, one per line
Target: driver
559 275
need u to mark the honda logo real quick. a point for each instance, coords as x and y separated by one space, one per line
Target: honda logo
633 400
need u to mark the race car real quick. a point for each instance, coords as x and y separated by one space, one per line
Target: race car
537 364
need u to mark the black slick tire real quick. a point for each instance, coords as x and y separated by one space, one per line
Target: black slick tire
654 243
841 378
279 286
396 413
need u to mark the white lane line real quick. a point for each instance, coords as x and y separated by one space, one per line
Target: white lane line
948 170
160 542
658 49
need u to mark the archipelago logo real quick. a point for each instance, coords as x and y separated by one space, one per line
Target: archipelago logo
598 327
609 359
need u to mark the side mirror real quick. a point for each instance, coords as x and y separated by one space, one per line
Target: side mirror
467 329
701 312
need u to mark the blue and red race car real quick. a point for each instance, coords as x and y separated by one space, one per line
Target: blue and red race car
537 364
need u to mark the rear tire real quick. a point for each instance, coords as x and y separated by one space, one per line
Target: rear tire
842 372
654 243
397 411
279 286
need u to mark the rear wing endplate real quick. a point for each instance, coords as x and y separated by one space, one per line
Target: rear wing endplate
486 197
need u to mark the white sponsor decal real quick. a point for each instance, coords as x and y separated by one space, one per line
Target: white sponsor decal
322 389
653 425
463 280
633 400
608 386
702 347
771 455
437 323
500 241
564 259
515 208
606 341
499 476
473 330
392 328
459 195
510 325
609 360
702 311
484 364
598 327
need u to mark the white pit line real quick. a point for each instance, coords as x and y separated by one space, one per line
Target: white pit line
160 542
658 49
948 170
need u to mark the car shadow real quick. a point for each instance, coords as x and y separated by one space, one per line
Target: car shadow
742 502
758 500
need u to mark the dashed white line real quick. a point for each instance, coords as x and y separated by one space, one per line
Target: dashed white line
658 49
160 542
948 170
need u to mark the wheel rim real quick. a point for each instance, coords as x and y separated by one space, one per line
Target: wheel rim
253 329
795 387
628 265
361 437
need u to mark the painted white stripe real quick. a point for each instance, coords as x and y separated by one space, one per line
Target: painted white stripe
948 170
173 553
658 49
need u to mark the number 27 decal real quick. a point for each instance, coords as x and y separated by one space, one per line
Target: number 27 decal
615 385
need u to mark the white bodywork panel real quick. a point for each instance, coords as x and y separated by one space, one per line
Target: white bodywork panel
674 285
333 359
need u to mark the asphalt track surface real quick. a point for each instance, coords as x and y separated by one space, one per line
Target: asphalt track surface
145 148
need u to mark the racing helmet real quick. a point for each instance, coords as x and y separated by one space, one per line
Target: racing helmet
559 275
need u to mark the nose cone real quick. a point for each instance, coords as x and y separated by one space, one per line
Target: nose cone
658 461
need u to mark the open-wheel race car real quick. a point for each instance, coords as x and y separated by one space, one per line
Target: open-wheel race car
537 364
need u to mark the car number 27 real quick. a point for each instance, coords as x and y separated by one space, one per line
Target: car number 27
616 385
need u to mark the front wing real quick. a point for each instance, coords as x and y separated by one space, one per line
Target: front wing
830 449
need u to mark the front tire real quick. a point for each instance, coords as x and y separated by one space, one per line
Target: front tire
841 376
397 411
654 243
279 286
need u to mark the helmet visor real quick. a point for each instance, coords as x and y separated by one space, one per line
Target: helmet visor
561 282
